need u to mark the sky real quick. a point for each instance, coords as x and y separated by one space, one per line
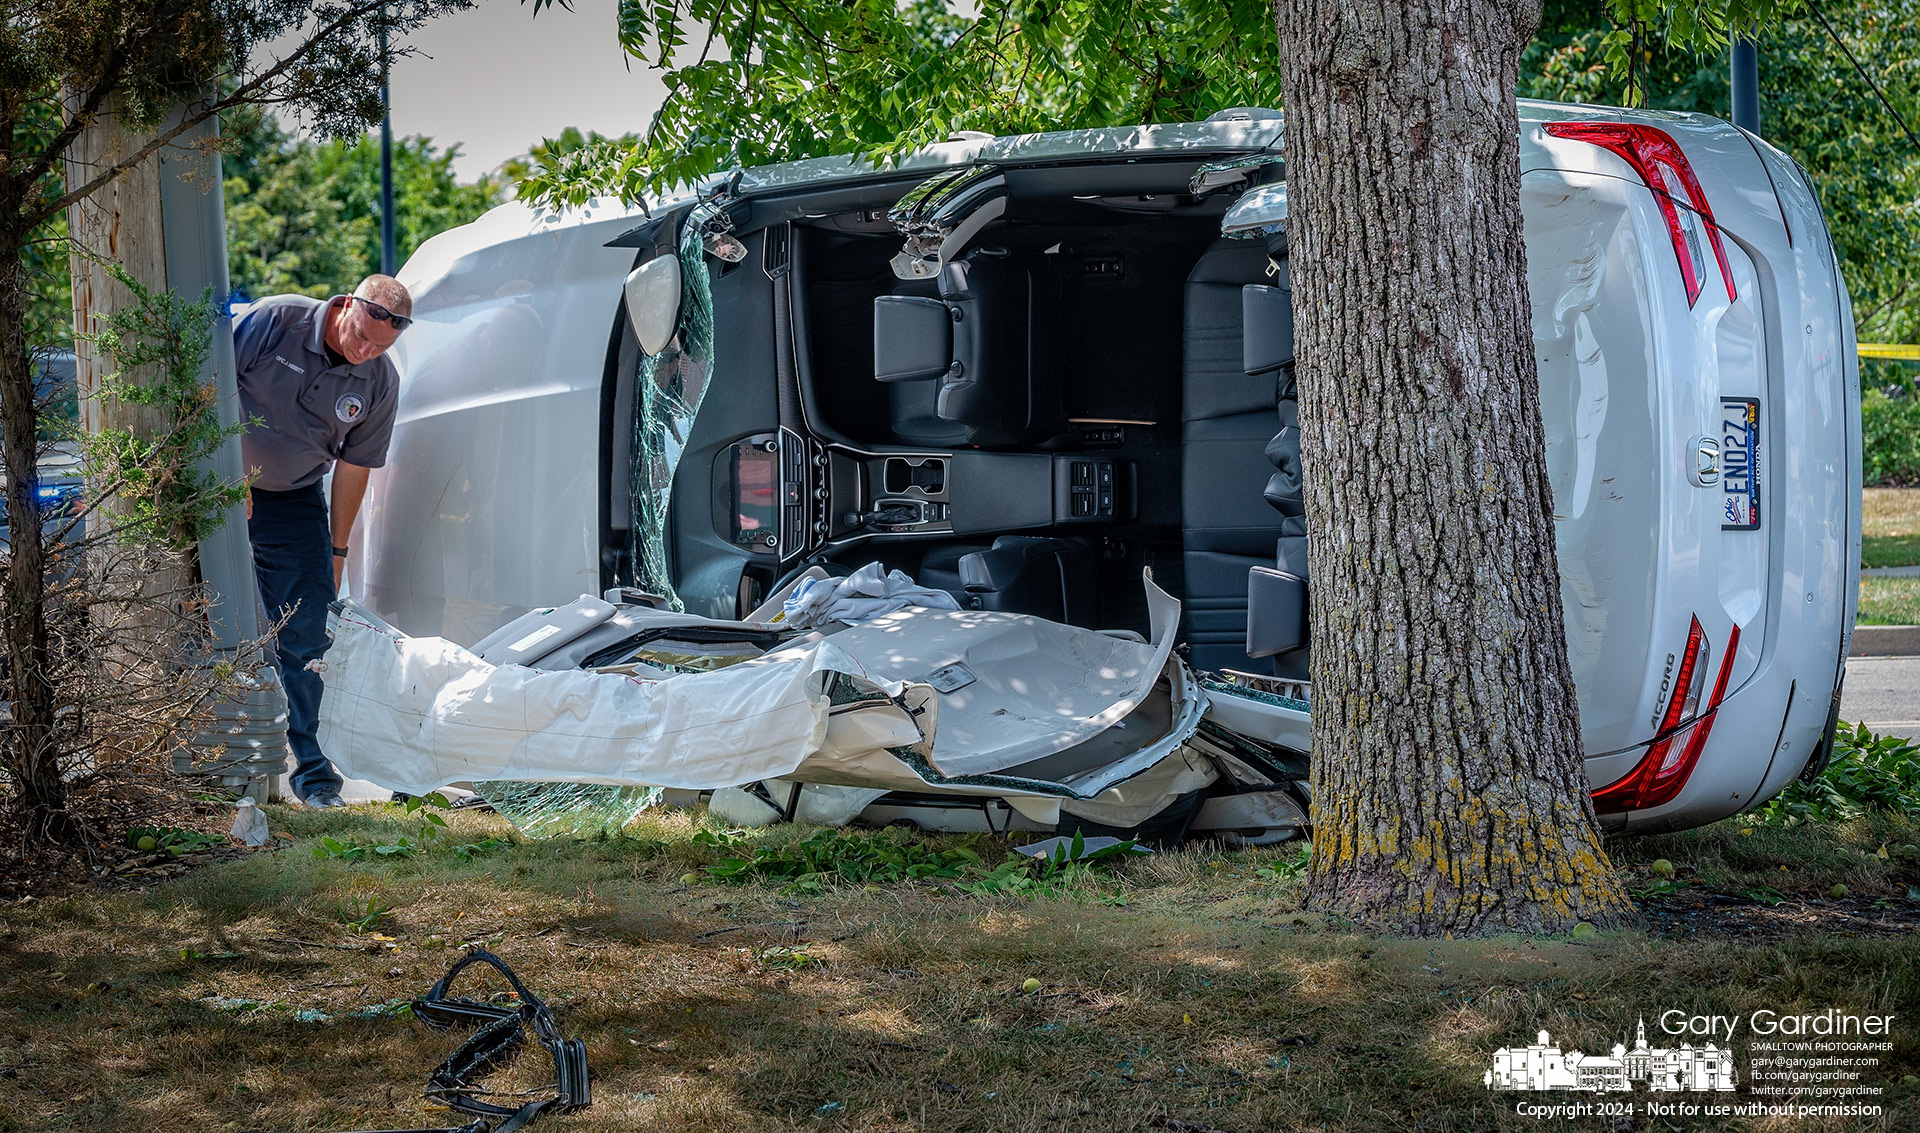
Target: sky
497 79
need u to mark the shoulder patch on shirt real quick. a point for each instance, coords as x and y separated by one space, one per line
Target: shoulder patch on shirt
349 407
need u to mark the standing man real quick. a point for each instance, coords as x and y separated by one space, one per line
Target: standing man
314 375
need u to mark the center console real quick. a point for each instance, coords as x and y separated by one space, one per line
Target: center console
782 496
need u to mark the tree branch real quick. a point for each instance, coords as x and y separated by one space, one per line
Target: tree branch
805 29
247 92
70 130
1885 305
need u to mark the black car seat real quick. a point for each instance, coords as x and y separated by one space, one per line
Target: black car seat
1227 421
1277 595
974 366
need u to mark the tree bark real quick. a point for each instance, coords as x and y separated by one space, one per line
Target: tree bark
27 747
1450 795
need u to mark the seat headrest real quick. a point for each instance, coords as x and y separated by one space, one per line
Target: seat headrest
1266 328
912 338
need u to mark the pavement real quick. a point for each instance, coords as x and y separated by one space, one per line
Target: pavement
1884 694
361 791
1888 641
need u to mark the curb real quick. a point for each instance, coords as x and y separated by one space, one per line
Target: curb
1885 641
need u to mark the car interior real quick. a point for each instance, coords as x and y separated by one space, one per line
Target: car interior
1021 385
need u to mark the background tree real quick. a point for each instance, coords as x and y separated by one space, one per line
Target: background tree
1816 106
91 91
814 77
1813 105
550 154
304 216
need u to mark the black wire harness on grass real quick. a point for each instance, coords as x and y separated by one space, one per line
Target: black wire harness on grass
499 1031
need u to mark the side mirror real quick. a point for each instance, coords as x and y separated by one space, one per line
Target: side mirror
1260 211
653 302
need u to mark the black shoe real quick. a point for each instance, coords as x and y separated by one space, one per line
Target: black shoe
323 800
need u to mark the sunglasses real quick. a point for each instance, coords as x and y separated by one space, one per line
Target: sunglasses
382 315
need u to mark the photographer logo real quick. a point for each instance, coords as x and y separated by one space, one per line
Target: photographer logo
1544 1066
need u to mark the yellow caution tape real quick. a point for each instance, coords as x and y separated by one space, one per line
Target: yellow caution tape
1904 350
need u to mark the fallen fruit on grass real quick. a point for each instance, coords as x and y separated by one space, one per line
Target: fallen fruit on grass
146 844
1032 985
689 878
1585 931
1662 868
1838 891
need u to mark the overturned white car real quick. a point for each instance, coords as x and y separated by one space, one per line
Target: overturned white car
1023 371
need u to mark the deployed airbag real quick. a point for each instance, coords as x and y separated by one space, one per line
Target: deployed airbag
415 714
975 701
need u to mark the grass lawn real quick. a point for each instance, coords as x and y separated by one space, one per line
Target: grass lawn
1890 537
1889 601
1890 527
1183 991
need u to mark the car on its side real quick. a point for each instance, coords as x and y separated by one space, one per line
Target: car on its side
1024 369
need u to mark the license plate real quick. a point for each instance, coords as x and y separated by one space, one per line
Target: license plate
1740 463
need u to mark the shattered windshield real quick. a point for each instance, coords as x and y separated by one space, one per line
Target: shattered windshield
667 390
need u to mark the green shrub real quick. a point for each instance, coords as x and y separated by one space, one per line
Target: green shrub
1867 773
430 833
827 856
1890 436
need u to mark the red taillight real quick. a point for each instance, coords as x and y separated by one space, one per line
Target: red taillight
1676 748
1656 157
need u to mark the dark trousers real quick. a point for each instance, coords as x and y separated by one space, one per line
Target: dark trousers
293 564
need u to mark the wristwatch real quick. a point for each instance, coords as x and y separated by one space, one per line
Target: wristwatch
339 552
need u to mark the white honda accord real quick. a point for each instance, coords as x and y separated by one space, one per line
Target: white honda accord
1023 370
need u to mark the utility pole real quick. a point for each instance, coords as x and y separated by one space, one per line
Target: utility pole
1746 85
386 160
165 223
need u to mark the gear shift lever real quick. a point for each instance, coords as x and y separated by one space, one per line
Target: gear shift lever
893 515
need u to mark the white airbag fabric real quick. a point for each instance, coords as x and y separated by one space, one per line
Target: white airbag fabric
414 714
859 597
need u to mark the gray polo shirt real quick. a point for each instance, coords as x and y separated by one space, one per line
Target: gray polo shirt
314 412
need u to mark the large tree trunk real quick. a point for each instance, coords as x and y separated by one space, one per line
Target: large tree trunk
1449 791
